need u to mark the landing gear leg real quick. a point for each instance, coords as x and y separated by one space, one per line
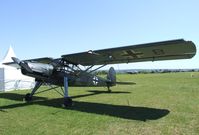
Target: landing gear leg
67 100
28 96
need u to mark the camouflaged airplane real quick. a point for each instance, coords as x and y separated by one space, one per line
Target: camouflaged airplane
67 70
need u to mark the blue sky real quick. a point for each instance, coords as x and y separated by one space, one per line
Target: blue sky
40 28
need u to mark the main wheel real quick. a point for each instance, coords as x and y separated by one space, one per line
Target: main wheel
68 102
28 97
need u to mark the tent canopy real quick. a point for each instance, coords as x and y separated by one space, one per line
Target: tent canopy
12 78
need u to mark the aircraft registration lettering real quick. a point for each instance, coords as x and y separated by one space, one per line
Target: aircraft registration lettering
158 51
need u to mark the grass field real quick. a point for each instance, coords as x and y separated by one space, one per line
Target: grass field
157 104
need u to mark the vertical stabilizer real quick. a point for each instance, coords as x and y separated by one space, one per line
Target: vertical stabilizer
111 76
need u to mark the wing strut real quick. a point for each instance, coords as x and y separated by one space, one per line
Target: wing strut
97 68
65 87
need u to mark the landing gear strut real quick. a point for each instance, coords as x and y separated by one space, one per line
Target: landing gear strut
67 100
28 96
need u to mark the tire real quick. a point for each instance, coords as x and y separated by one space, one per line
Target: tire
28 97
68 102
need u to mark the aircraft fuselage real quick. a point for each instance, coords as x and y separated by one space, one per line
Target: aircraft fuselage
48 74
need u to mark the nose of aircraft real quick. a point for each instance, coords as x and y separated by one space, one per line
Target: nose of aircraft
22 64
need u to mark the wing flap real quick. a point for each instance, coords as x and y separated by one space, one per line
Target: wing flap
167 50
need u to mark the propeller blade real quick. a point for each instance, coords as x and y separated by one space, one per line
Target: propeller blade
23 64
16 60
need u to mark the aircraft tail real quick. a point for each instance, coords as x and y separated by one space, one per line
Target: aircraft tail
111 76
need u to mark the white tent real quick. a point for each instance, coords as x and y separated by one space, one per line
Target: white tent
12 78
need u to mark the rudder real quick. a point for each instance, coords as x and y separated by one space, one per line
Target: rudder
111 76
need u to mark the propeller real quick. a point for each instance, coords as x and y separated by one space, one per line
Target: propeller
22 64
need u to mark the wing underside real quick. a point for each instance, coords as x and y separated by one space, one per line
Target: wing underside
167 50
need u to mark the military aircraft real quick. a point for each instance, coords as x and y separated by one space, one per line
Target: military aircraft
67 70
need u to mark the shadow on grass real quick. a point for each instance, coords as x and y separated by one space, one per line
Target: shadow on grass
120 111
18 97
97 92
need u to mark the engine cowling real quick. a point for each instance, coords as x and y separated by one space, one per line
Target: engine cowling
39 69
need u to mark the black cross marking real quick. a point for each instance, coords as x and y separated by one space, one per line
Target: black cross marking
133 54
95 80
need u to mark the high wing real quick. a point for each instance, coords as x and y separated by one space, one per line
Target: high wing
166 50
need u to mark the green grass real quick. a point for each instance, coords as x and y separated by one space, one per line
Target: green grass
156 104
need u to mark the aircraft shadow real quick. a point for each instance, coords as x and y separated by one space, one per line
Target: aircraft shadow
120 111
125 112
97 92
18 97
